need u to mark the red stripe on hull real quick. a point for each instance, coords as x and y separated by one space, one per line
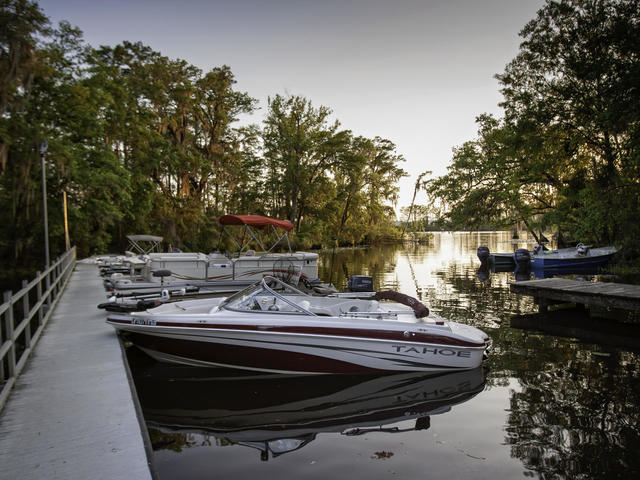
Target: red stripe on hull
245 357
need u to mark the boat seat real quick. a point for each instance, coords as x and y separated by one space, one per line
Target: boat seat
161 273
322 312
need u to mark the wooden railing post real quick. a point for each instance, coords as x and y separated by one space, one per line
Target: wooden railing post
25 314
54 274
11 354
39 296
3 317
47 284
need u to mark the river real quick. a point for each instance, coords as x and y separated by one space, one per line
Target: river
545 405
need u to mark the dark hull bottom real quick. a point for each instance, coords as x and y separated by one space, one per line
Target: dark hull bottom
265 358
248 358
570 264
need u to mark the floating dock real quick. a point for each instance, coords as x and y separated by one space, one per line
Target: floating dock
551 291
72 411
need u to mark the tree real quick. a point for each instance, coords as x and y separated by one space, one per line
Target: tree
576 77
217 107
419 185
21 23
171 128
566 153
366 177
484 184
300 146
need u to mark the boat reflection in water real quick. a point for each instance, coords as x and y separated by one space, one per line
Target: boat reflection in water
278 413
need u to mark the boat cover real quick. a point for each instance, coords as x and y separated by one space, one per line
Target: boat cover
144 238
257 221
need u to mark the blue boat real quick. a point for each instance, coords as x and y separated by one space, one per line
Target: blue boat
571 259
581 259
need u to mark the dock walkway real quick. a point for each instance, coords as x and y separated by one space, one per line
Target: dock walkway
72 414
549 291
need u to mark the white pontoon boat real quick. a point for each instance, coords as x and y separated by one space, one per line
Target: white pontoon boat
155 272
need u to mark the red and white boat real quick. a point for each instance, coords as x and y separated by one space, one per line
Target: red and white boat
274 327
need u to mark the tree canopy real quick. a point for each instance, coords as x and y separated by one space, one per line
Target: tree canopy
565 156
143 143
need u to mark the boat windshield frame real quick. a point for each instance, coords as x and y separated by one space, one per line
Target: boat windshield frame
144 244
262 288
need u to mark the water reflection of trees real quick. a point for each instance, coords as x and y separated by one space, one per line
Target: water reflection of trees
578 418
574 412
447 284
338 266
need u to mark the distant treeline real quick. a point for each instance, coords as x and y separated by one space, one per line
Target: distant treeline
142 143
566 156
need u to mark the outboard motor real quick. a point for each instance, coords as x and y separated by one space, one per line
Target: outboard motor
484 255
522 257
582 249
538 249
360 283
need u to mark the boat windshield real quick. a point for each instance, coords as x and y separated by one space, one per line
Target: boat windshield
269 295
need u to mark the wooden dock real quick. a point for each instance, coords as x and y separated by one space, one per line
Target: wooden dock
72 413
551 291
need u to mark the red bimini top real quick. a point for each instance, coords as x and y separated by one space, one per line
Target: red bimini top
257 221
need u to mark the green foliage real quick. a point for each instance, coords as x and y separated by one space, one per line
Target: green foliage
141 143
300 148
339 183
566 154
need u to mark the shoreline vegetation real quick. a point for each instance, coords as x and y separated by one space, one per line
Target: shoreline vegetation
142 143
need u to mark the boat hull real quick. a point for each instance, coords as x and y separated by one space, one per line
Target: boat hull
128 288
302 348
560 262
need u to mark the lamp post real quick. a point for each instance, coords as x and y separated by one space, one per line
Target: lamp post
43 149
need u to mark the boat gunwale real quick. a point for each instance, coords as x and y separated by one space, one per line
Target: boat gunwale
385 335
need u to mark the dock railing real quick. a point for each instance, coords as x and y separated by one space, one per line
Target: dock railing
23 316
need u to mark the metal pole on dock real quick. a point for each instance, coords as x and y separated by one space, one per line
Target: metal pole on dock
43 149
67 242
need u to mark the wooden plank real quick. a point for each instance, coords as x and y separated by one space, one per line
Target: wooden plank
545 291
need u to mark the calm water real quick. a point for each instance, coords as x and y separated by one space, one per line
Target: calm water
547 405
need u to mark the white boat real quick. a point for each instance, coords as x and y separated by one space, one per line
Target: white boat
274 327
154 272
138 245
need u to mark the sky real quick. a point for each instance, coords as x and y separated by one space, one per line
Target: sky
416 72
